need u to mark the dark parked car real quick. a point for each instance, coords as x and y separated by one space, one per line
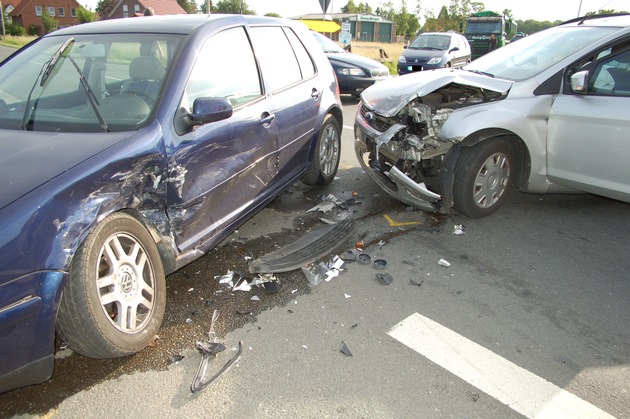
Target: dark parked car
131 147
433 50
548 113
354 72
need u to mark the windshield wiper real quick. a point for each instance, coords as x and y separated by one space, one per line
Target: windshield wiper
483 73
47 71
42 77
91 96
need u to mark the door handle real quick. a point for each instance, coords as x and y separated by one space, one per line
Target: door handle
266 119
315 93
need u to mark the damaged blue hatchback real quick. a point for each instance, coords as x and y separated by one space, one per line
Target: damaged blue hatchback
130 148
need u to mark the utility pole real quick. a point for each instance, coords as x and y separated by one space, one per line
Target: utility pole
2 18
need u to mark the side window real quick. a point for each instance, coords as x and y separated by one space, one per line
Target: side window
612 75
304 59
225 68
278 62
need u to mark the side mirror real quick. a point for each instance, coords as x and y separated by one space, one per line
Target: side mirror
578 82
454 49
404 46
210 109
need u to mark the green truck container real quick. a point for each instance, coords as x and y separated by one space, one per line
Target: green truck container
479 27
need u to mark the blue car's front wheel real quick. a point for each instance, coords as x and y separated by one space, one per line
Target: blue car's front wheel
114 301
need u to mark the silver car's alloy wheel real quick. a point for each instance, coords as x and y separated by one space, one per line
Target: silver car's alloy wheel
492 180
484 174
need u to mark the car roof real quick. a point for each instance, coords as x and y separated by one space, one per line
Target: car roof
173 24
612 20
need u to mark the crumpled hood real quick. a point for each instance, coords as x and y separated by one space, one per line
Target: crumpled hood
390 96
29 159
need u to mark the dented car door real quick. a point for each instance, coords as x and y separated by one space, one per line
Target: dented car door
589 132
220 169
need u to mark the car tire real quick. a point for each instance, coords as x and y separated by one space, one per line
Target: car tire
322 170
114 301
483 178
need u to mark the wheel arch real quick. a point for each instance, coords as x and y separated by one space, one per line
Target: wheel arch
449 163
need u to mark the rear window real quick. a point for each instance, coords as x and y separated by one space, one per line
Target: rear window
283 62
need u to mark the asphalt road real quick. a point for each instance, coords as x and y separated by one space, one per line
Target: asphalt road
532 313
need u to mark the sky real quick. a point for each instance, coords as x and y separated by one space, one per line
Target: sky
521 9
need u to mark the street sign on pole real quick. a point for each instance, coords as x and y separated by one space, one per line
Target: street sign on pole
324 4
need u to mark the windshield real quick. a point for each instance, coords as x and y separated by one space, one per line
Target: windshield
85 83
328 45
431 42
483 27
534 54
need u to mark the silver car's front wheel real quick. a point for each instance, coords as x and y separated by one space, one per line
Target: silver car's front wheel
484 176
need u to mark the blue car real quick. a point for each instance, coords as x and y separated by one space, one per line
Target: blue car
132 147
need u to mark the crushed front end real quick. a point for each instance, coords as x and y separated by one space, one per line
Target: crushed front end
398 141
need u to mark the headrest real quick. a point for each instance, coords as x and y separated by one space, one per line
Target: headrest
146 68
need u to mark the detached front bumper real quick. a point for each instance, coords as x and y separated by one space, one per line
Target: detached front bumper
393 181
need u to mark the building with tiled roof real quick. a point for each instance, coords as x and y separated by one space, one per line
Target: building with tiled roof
28 13
131 8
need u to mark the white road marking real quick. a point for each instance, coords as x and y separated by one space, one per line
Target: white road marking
348 127
526 393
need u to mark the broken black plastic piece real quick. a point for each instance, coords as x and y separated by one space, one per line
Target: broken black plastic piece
380 264
416 282
385 278
174 359
306 249
344 349
364 258
272 287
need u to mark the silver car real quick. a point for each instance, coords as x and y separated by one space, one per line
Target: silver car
547 114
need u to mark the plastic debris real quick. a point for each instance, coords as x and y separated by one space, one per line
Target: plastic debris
385 278
381 244
359 245
327 221
242 285
347 295
226 279
211 347
328 203
416 282
458 229
272 287
380 264
174 359
350 255
316 273
444 262
364 258
255 298
344 349
188 320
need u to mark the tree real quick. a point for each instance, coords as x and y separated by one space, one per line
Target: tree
84 15
272 14
350 7
233 7
189 6
105 7
50 23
